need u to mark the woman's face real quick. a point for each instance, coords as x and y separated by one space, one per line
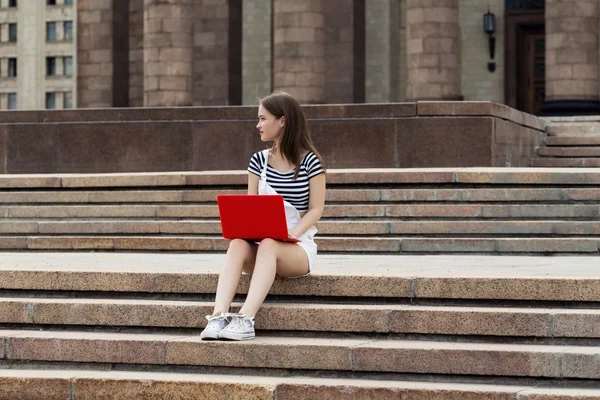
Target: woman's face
269 127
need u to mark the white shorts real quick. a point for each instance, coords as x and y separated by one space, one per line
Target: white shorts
310 248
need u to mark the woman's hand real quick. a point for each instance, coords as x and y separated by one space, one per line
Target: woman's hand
292 234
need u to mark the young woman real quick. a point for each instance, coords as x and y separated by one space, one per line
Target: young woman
293 168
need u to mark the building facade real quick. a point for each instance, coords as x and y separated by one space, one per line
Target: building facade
533 55
37 54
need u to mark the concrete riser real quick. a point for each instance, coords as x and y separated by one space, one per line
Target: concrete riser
579 141
79 385
437 320
398 356
326 244
565 162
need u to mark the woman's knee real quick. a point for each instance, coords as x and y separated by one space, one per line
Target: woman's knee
268 246
239 246
241 250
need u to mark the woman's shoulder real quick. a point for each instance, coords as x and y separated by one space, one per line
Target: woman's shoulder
309 158
258 156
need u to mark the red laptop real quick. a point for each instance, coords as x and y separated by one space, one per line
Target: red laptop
253 217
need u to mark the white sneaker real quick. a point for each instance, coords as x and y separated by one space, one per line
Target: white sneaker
215 324
240 327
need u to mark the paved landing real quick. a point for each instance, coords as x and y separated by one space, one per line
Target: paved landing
346 265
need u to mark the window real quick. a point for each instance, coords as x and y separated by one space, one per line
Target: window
51 2
68 2
12 101
12 67
50 100
68 100
51 31
12 3
50 66
68 63
12 32
68 30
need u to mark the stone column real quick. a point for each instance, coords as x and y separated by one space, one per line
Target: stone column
433 50
299 49
256 50
384 69
136 53
340 57
94 53
571 56
168 52
218 52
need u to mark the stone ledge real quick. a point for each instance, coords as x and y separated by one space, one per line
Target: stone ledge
333 195
20 384
460 277
483 175
457 134
480 108
135 385
401 356
208 113
391 245
441 320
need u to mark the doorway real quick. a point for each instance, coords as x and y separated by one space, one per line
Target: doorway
525 70
532 71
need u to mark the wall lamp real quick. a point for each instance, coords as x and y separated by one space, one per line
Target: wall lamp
489 26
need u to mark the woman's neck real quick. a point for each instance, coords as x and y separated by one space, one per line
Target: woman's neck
275 149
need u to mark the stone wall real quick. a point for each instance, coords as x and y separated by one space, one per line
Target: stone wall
299 49
211 52
256 50
477 82
94 53
168 44
572 50
405 135
433 52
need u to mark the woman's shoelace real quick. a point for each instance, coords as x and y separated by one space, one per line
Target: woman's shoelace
238 321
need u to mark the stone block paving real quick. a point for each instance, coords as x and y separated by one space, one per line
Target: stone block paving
96 310
372 321
402 211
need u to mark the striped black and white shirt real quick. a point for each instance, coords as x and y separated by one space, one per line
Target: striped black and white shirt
293 191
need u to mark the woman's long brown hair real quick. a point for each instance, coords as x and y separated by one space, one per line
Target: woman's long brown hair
296 135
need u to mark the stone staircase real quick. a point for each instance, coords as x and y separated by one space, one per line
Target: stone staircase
105 281
126 326
571 142
412 211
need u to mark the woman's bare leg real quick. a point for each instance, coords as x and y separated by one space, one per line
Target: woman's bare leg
273 257
240 255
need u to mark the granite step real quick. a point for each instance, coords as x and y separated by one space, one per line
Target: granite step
572 140
358 195
569 151
355 227
381 209
225 180
565 162
296 353
21 384
354 244
311 317
572 128
456 277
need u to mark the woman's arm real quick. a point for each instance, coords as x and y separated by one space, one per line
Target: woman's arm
253 183
316 205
